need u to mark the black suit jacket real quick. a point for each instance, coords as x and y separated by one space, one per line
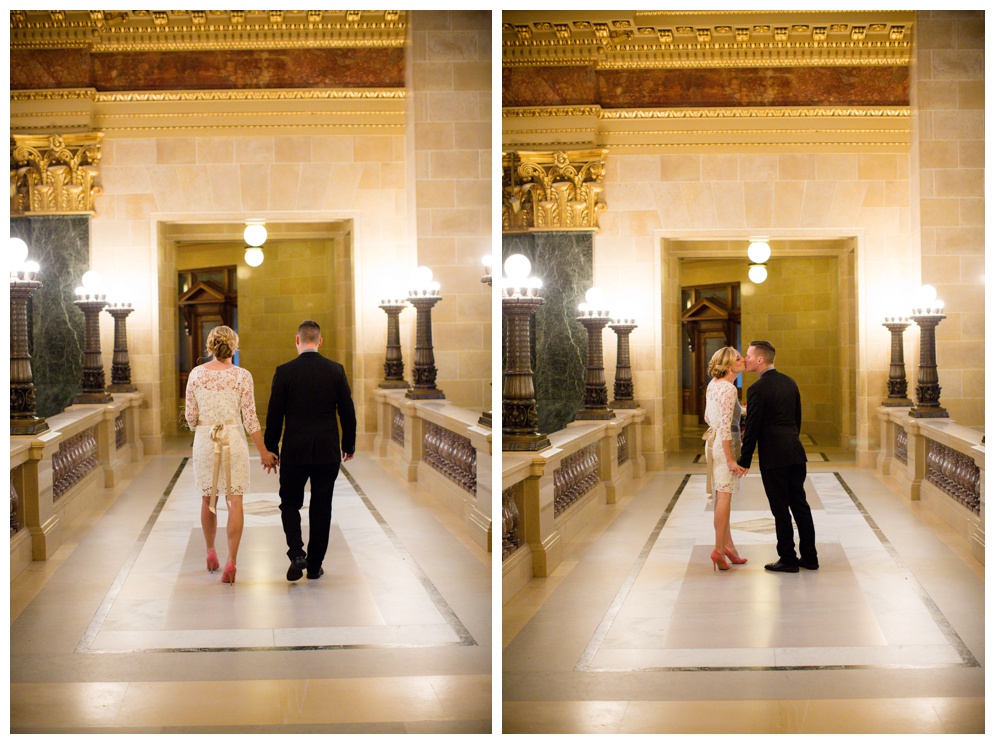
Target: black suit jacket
773 420
307 394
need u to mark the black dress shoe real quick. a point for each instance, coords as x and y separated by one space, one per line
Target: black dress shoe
296 569
810 565
782 567
315 574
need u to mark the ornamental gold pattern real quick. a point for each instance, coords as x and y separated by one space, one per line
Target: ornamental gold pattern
185 30
690 39
54 174
558 190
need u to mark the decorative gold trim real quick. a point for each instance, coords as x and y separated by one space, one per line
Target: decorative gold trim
283 94
54 174
200 127
626 39
552 190
730 112
280 94
182 30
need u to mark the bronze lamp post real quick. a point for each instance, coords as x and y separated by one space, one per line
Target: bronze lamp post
897 384
927 316
624 393
23 284
519 411
90 301
120 364
488 261
424 296
594 316
393 366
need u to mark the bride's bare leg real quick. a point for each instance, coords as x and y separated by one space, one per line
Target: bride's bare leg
236 519
208 522
720 520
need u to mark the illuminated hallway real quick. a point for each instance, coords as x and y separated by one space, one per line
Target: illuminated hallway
634 633
124 630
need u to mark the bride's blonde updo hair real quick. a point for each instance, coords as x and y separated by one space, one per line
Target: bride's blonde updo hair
222 343
721 361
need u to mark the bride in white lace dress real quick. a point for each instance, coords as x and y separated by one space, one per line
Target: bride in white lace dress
219 402
722 414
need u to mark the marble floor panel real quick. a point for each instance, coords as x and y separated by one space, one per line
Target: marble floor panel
128 631
666 633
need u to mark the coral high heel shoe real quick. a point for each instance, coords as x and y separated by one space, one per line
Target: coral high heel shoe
228 576
719 561
735 558
212 561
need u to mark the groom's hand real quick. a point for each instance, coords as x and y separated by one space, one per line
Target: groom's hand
346 456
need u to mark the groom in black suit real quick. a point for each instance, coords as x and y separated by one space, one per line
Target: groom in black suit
307 394
773 420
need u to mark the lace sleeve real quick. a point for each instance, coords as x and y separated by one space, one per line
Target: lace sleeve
192 411
727 402
249 419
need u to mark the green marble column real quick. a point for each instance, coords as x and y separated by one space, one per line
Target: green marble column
564 260
61 246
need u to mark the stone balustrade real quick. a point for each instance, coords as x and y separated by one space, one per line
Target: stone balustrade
940 463
58 474
549 496
443 447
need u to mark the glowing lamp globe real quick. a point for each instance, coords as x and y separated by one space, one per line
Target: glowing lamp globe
758 274
254 256
255 235
517 268
759 251
18 251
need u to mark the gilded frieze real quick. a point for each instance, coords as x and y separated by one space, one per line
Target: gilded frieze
54 174
175 30
558 190
627 39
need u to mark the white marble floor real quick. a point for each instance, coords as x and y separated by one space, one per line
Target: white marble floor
126 631
634 632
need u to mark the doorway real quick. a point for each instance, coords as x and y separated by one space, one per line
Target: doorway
710 320
208 298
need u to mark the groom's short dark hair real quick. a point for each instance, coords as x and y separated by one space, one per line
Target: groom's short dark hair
309 332
765 349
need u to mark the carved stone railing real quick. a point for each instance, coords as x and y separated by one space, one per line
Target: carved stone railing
901 445
955 474
73 461
397 426
15 507
120 438
940 463
511 539
59 473
452 455
434 442
555 492
623 448
576 476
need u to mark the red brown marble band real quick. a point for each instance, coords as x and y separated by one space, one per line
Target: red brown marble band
776 86
208 70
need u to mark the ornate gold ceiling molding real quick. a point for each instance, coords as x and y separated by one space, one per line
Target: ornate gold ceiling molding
619 40
794 129
54 174
177 113
187 30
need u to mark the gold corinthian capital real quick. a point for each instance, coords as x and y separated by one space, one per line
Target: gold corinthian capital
54 174
553 190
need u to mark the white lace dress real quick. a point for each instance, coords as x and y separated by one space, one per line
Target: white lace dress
221 401
722 414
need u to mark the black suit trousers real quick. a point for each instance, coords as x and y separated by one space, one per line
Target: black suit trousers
292 481
785 489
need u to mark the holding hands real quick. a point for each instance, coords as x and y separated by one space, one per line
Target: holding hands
269 461
736 469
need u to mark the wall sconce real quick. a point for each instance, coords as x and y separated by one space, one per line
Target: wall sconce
927 316
23 284
393 366
897 384
424 294
623 325
519 411
254 235
759 253
120 365
594 316
91 300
